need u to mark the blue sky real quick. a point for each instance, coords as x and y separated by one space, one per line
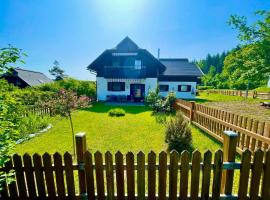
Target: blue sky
75 32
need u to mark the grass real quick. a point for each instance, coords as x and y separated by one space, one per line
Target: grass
137 131
247 107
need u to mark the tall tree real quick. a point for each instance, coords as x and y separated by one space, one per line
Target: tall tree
251 63
57 72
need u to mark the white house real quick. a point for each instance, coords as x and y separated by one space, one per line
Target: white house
128 72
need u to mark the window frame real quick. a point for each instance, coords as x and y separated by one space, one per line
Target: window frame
110 86
179 89
164 85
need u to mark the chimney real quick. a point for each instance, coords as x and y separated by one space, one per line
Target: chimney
158 54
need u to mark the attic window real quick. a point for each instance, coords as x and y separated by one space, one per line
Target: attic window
138 64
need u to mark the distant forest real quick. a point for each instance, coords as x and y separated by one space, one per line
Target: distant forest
247 65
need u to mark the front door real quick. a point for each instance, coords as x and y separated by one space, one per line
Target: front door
137 92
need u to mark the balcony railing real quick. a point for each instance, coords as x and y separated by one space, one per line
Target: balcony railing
124 72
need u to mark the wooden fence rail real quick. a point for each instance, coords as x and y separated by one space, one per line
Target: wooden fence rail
251 133
251 94
164 176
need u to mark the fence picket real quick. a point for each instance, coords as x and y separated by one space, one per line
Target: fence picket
120 175
109 175
244 175
266 178
195 175
151 175
99 176
141 175
130 176
20 179
206 175
69 175
184 175
59 176
256 174
173 175
39 175
162 176
216 186
29 175
89 175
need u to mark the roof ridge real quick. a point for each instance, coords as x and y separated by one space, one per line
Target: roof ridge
174 59
18 68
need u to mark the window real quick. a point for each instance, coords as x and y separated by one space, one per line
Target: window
116 86
138 64
184 88
163 88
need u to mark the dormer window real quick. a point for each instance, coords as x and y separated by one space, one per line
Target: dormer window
138 64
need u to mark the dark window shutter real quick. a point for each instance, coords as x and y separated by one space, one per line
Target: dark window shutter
188 88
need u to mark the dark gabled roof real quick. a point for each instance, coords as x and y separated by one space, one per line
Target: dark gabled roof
32 78
179 67
127 45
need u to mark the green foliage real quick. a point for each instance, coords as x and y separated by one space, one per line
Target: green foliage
178 134
6 87
248 65
159 104
262 89
87 88
32 123
169 101
116 112
9 56
205 87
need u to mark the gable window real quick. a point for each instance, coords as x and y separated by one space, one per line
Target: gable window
138 64
163 88
116 86
184 88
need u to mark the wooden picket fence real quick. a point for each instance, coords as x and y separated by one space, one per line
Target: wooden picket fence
170 176
252 133
38 110
242 93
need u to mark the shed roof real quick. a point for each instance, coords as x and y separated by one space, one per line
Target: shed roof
179 67
32 78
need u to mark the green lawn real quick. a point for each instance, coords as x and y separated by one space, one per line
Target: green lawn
137 130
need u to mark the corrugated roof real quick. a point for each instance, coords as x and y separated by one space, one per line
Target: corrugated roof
32 78
179 67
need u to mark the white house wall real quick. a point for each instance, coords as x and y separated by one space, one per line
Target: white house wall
173 87
102 87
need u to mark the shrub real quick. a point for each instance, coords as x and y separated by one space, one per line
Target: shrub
204 87
169 101
116 112
178 134
32 124
87 88
159 104
263 89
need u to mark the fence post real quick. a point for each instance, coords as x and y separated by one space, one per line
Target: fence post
192 109
229 153
81 149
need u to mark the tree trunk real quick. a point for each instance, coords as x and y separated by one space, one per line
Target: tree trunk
72 130
247 89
